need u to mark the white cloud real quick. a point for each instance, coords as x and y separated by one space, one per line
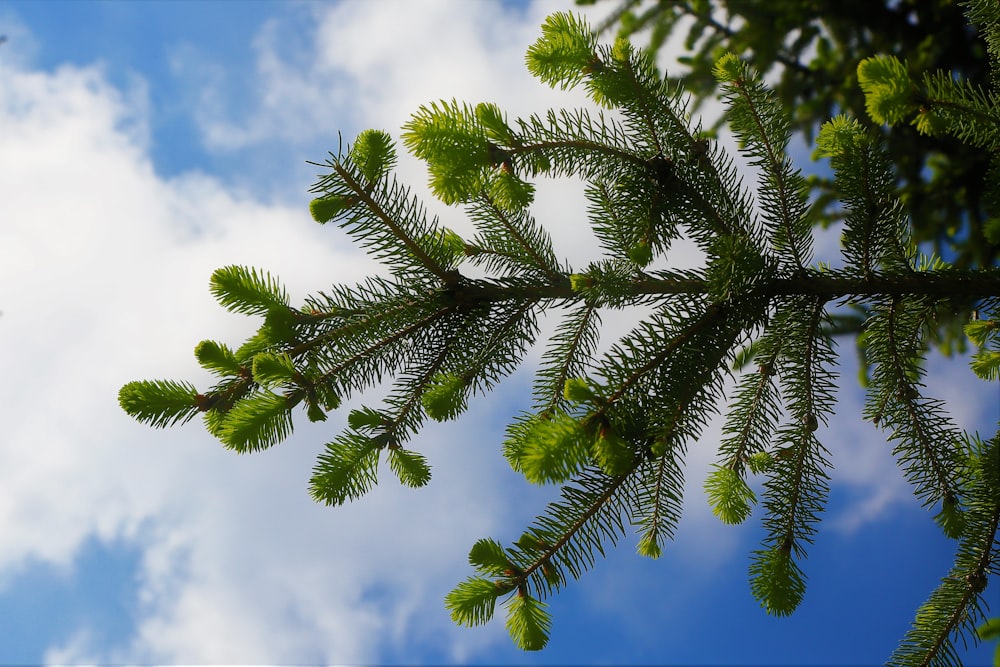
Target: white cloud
103 278
324 68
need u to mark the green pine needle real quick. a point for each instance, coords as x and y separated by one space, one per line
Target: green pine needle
410 467
257 422
366 419
325 209
509 192
374 154
489 557
564 54
776 581
270 369
473 601
247 291
527 622
730 497
890 95
648 546
346 470
450 139
577 391
553 449
612 453
494 121
159 403
445 397
951 518
218 358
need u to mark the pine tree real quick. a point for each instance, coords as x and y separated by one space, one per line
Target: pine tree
612 429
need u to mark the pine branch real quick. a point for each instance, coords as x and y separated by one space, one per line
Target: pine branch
957 604
531 242
564 534
753 416
925 438
826 284
624 378
659 501
764 129
350 364
613 431
389 219
568 355
875 225
796 489
159 403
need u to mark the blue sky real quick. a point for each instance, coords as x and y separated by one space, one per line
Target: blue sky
145 144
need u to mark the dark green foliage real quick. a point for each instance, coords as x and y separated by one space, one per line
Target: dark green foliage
612 429
918 424
811 49
957 605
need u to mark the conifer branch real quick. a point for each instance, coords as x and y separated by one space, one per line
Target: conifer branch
367 352
658 509
753 414
828 285
598 499
711 316
805 441
545 264
758 122
406 410
570 354
913 421
645 107
718 224
359 321
363 194
958 601
613 429
584 146
975 114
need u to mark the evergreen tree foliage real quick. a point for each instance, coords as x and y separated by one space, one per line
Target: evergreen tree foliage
811 50
750 329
